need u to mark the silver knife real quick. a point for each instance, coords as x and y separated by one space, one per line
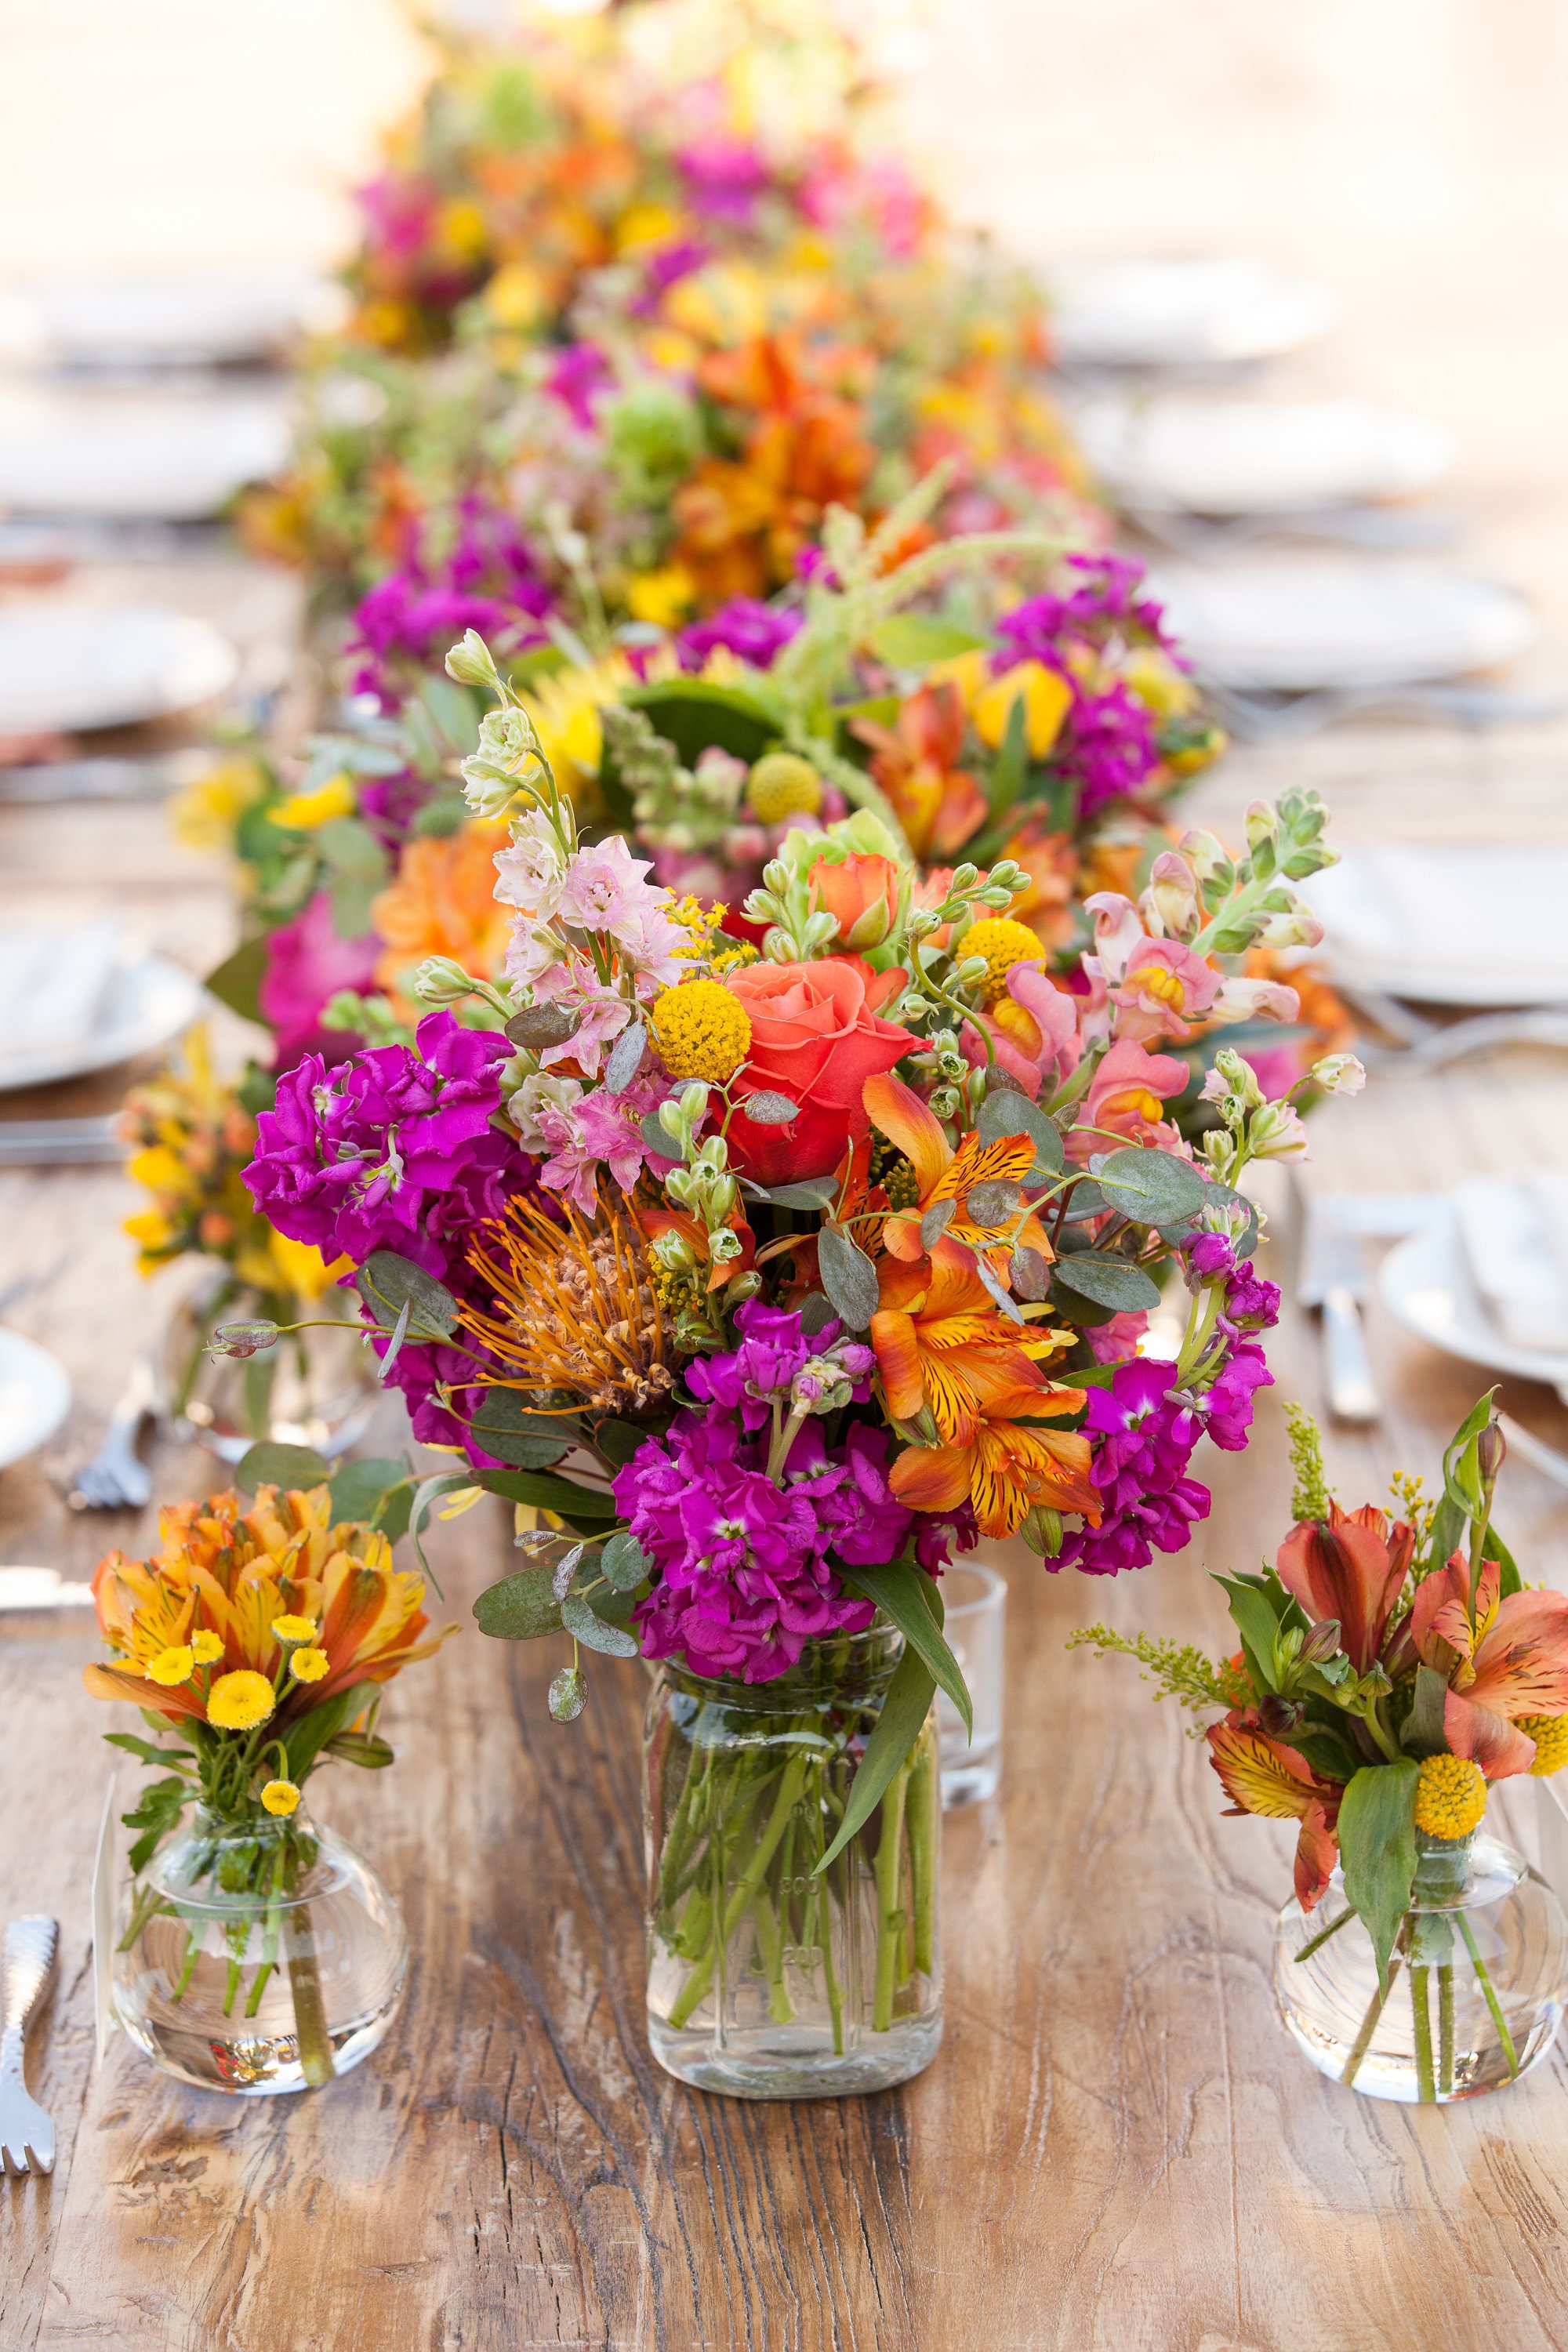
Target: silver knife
1333 1277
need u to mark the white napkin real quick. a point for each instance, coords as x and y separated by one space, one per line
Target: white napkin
1512 1230
55 986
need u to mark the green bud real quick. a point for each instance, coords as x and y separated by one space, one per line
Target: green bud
471 663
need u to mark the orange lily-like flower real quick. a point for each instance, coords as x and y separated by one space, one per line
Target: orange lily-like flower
1505 1659
940 804
937 1331
1002 1458
1350 1567
231 1574
944 1173
1263 1775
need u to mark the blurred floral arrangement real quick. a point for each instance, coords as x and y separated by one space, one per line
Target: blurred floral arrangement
767 1241
1392 1668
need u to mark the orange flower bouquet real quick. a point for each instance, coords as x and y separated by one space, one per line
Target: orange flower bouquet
1393 1669
257 1951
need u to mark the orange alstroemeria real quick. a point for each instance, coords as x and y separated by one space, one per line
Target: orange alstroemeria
940 804
1263 1775
937 1331
944 1174
1503 1659
1350 1567
1004 1459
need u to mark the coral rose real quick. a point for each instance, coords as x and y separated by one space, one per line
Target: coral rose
816 1037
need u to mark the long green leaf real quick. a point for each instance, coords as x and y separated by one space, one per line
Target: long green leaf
305 1739
1377 1846
1258 1625
904 1710
895 1587
546 1491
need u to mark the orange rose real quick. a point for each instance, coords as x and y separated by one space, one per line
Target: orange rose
816 1037
863 892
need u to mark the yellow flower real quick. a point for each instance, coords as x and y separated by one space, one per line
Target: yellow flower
565 708
303 1271
783 784
206 1646
1450 1796
293 1629
302 812
1047 698
1002 942
1549 1733
309 1665
461 229
662 597
171 1668
641 226
515 296
1156 680
205 813
702 1031
281 1797
239 1701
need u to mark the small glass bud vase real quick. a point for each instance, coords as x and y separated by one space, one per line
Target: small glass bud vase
258 1957
1477 1981
768 1977
316 1387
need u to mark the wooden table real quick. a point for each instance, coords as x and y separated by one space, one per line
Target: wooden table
1117 2147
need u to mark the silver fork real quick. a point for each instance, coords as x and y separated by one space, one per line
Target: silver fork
26 2135
116 1479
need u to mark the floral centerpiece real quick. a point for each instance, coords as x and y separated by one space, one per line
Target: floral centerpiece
257 1951
1392 1669
764 1276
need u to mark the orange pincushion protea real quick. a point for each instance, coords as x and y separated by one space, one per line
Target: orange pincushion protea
230 1574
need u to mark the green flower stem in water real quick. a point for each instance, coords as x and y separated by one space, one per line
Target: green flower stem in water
1498 2020
925 1825
889 1914
1427 2086
309 2012
1446 2028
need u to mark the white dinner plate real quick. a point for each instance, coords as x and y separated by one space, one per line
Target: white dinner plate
1218 457
1288 624
35 1395
181 320
67 666
140 1006
1449 923
1426 1285
1181 313
175 456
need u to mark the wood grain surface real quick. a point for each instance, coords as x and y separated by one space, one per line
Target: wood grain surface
1117 2150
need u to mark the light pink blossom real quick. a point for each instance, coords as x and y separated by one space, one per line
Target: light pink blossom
604 888
1163 990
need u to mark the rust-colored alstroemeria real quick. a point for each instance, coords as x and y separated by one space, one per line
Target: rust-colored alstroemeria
1263 1775
944 1173
1350 1567
939 803
1003 1458
1501 1659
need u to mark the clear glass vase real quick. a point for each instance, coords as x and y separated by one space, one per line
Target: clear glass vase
1476 1983
258 1957
768 1978
315 1388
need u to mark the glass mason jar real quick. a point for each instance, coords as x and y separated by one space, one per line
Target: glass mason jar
767 1977
1476 1984
315 1388
258 1957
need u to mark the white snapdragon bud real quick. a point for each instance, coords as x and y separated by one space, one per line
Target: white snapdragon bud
471 663
440 980
1339 1074
487 796
1276 1133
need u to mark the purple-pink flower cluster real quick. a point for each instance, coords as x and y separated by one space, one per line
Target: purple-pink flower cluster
486 580
751 631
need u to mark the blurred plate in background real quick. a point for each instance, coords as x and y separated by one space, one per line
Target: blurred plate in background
193 317
1181 313
1289 623
35 1395
1220 456
169 454
66 667
1428 1285
70 1003
1453 922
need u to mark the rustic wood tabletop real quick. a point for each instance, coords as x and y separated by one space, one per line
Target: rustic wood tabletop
1117 2147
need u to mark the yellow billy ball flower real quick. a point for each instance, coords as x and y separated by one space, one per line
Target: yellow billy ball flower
281 1797
1002 942
293 1629
309 1665
173 1666
1450 1796
1549 1733
206 1646
238 1702
702 1031
783 784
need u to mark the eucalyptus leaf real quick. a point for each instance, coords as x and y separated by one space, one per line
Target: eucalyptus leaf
521 1607
504 1425
359 1489
994 1202
658 1137
538 1026
815 1313
1377 1849
811 1193
1108 1281
585 1627
904 1711
388 1282
1151 1186
1030 1274
1004 1113
394 1346
280 1466
936 1220
625 1058
565 1569
770 1109
849 1276
625 1563
618 1440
